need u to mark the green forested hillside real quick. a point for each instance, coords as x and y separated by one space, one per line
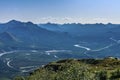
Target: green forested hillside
72 69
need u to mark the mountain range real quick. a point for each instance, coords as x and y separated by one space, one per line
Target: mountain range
27 35
25 46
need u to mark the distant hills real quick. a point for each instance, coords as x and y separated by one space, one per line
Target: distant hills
30 35
85 30
27 35
103 39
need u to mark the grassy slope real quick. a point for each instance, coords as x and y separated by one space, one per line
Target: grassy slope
84 69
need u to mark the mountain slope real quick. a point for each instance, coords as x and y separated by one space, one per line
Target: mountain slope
51 26
91 32
30 35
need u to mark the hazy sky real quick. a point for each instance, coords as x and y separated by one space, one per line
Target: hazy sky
61 11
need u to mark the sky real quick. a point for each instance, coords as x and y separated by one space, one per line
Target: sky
61 11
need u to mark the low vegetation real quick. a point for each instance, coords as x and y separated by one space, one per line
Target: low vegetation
72 69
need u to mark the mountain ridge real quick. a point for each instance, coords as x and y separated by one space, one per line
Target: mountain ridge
31 34
77 69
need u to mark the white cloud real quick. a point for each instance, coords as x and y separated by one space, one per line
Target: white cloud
62 20
73 20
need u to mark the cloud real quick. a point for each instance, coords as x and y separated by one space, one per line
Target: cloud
62 20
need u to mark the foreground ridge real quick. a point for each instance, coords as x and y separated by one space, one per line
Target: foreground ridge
73 69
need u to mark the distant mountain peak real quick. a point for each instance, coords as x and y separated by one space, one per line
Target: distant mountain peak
14 22
30 23
109 24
